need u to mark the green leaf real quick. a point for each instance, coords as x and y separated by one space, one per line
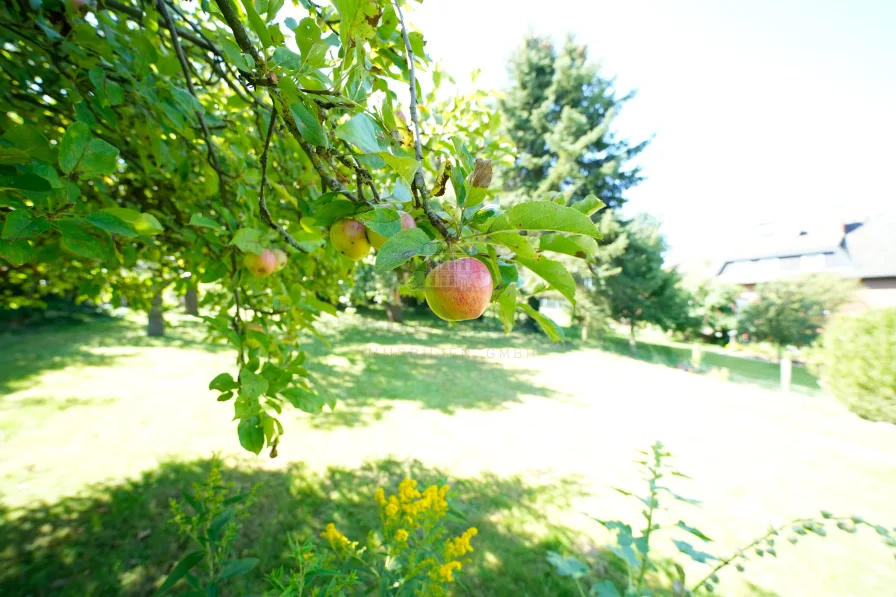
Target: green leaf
554 332
214 272
405 167
286 58
303 399
385 221
694 531
203 221
17 252
184 566
507 307
251 434
604 589
11 155
99 158
144 224
308 124
695 554
248 240
582 247
25 182
353 22
567 566
399 248
552 272
73 145
236 567
589 205
223 382
328 208
20 225
360 131
252 385
110 223
544 215
31 140
307 34
77 240
520 245
257 24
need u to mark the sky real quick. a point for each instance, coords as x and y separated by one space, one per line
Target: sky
761 111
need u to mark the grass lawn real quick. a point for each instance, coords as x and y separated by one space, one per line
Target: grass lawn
101 426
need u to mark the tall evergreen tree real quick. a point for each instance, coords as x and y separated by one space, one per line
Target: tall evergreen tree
558 113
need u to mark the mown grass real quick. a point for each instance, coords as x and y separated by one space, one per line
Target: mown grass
103 426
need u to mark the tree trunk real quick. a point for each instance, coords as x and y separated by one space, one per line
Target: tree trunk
191 300
393 310
155 328
632 345
584 332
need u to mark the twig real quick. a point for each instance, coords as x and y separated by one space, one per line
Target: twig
262 204
185 66
418 183
137 15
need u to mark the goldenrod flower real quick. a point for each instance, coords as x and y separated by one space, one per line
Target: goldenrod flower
335 538
445 572
455 548
380 497
407 491
401 535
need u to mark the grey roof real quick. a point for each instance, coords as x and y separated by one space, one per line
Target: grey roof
861 250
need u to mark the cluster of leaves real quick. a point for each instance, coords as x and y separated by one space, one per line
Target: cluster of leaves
151 144
411 554
856 358
633 548
210 518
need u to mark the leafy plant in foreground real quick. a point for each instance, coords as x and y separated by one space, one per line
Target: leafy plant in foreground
634 549
410 555
212 527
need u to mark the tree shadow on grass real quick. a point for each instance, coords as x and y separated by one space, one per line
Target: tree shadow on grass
367 381
116 540
29 352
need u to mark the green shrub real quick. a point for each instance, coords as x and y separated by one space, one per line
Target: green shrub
857 363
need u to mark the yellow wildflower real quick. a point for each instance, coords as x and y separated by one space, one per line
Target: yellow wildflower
401 535
407 492
335 538
455 548
380 497
307 555
392 508
445 572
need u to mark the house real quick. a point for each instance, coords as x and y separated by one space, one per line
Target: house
864 250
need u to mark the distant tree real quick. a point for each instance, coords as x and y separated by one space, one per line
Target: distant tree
558 112
712 310
793 312
631 278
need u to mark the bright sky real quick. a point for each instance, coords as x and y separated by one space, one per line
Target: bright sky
763 111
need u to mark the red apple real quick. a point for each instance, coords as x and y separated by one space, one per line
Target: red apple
281 257
377 240
459 290
261 265
349 237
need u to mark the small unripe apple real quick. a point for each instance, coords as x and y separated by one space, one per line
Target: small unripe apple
250 341
281 257
349 237
459 290
377 240
261 265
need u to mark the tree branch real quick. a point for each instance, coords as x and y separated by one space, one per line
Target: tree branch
418 184
212 154
262 204
280 104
